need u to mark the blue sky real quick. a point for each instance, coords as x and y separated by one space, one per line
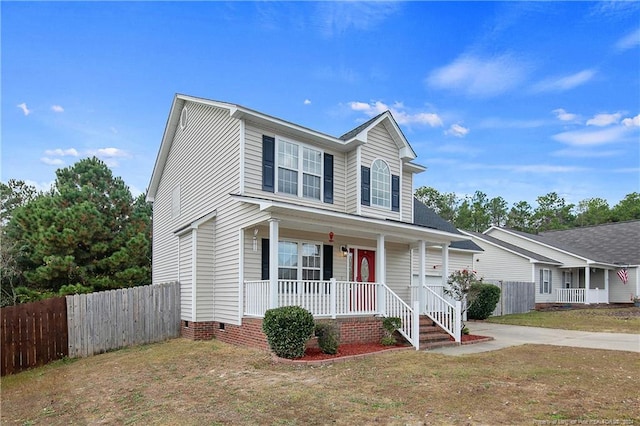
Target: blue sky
513 99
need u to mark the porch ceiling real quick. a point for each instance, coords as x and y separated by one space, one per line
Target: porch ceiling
312 219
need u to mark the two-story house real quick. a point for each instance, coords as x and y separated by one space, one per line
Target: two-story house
252 212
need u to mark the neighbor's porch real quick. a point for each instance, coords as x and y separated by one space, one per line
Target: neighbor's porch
585 285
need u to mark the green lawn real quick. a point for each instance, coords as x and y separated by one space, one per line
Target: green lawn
612 320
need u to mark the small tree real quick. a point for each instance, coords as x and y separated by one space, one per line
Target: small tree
459 288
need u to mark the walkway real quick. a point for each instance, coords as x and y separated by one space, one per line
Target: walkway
514 335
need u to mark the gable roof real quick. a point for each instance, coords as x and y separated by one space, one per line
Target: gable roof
426 216
612 243
344 143
617 242
532 256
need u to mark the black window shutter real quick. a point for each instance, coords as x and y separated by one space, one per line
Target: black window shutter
328 178
365 189
268 163
395 193
327 264
265 259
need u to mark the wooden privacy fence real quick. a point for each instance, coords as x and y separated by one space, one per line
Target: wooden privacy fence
33 334
99 322
516 297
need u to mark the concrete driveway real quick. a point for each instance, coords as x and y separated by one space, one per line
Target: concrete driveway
513 335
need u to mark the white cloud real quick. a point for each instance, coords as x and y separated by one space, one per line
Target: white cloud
111 153
52 161
398 111
632 122
457 130
479 76
588 137
23 107
61 152
57 108
563 115
307 102
40 186
582 153
335 18
602 120
560 84
629 41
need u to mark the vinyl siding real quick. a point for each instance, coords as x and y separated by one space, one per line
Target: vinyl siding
204 161
185 277
406 197
205 242
498 264
253 170
380 145
399 270
458 260
619 292
556 282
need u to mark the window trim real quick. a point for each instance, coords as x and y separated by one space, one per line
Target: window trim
299 170
300 267
543 289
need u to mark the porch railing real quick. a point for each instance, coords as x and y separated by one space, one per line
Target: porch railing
333 299
570 295
446 314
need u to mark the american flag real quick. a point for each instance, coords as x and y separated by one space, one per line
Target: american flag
623 275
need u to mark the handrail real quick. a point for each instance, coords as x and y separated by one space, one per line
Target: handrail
443 313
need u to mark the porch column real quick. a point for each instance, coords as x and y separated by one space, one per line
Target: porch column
606 285
445 264
381 274
423 272
274 227
587 284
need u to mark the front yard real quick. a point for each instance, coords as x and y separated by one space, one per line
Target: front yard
181 382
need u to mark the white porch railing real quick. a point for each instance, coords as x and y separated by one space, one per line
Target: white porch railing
447 315
570 295
333 299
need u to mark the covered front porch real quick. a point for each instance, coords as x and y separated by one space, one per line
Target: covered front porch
339 265
584 285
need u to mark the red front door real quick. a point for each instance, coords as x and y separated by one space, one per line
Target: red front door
363 267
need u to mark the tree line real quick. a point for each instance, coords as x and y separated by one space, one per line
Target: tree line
87 233
478 212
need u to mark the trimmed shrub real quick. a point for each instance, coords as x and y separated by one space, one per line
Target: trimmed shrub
390 325
328 337
486 297
288 328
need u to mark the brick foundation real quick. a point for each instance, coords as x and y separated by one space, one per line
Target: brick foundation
352 330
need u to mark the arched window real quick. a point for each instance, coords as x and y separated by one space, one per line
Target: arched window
380 184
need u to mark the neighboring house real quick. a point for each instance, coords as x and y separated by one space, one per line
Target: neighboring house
251 212
593 264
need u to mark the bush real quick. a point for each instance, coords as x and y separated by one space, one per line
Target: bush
390 325
486 297
328 337
288 328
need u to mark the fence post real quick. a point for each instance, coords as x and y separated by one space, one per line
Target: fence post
332 297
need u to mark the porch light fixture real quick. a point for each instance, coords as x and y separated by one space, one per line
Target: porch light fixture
344 251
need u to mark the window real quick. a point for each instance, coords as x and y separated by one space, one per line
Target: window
545 281
290 181
380 184
294 263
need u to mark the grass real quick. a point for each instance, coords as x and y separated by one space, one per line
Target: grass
181 382
611 320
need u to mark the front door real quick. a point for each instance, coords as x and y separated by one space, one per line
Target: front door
363 266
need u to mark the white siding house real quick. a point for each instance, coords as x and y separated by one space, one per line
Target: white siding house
252 212
580 265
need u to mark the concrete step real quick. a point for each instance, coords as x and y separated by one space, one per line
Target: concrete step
438 344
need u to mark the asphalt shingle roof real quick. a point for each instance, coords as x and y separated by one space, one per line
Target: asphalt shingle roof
425 216
514 248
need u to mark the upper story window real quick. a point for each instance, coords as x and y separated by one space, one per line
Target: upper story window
296 169
380 184
299 175
379 187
